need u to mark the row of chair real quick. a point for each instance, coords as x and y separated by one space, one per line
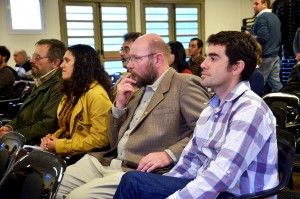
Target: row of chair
35 175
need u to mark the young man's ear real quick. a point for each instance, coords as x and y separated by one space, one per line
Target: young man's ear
238 67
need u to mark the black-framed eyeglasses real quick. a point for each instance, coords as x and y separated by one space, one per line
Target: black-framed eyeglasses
124 49
38 57
137 59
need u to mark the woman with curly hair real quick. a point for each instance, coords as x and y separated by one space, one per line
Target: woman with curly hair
83 113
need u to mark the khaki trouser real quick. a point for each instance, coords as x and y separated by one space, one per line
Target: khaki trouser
87 178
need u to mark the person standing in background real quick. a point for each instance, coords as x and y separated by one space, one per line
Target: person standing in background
195 52
23 65
266 30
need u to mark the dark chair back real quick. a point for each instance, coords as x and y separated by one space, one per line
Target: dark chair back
10 145
286 143
292 101
34 176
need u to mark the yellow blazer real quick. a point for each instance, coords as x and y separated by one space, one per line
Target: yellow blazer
89 122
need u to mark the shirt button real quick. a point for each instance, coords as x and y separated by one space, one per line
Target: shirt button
80 118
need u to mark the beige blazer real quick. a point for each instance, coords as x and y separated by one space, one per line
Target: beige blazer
167 123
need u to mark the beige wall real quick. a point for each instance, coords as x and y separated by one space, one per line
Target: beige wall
219 15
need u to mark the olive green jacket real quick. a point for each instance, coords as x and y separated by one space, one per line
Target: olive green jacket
37 115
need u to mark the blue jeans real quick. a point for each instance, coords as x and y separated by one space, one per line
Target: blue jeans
142 185
270 68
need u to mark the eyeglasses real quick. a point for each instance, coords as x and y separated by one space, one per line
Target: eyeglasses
124 49
37 57
137 59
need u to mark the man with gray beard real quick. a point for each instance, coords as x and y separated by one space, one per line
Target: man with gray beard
37 115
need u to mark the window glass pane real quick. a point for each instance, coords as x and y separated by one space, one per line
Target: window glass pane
113 67
183 11
80 25
157 24
114 13
116 40
185 40
79 9
187 31
157 14
87 41
155 11
80 13
22 21
158 31
114 26
186 24
80 32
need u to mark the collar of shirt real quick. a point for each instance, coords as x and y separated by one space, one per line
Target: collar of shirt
239 89
44 78
263 11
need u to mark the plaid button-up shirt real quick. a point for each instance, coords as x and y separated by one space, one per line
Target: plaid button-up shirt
234 148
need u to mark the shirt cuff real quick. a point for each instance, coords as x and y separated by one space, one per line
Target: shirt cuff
171 154
117 112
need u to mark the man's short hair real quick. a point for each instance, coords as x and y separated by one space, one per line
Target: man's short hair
5 53
266 1
199 42
132 36
57 48
238 47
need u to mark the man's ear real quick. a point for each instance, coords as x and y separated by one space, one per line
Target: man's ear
56 63
159 59
238 68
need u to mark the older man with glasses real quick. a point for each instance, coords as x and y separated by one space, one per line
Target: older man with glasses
37 116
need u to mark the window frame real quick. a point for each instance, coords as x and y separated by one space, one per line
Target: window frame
200 4
97 4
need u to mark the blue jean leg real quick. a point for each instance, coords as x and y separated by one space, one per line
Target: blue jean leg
135 185
270 68
141 185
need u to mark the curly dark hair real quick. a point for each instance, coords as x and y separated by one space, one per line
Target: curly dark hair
87 68
178 51
238 46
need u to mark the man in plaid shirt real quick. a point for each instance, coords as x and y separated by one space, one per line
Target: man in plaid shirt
234 147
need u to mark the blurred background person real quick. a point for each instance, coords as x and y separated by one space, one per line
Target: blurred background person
23 65
7 77
178 57
257 82
128 38
83 113
195 52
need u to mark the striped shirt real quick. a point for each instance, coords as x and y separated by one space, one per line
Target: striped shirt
233 149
